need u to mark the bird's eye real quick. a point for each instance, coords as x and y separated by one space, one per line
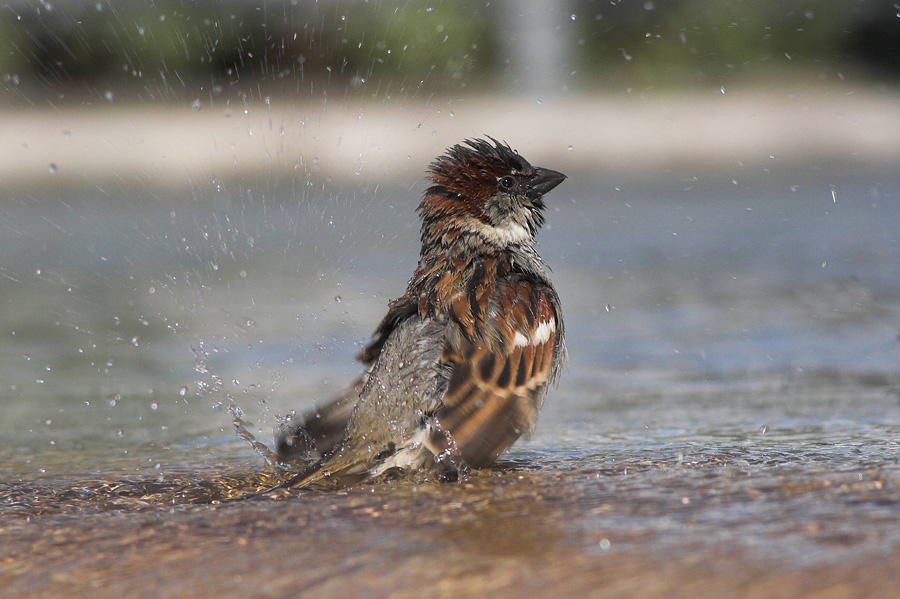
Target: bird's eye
507 182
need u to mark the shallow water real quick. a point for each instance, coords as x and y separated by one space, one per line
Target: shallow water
732 404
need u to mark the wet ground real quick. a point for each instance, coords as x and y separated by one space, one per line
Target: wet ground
729 424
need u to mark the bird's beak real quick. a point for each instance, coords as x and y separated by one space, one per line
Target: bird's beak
544 180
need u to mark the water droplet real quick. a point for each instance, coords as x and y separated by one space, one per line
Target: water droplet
108 96
182 391
573 16
135 341
154 406
53 169
66 134
764 429
120 433
114 399
605 544
824 263
337 298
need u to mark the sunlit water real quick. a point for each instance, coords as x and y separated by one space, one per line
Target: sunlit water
734 348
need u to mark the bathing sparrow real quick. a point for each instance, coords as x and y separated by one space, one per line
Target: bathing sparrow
459 367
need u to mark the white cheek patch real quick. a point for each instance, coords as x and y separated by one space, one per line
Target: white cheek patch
541 334
509 233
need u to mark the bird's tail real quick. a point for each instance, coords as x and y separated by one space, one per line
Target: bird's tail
303 478
328 473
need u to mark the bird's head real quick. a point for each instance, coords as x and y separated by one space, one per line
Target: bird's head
484 192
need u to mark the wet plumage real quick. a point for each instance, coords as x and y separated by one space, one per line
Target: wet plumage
458 368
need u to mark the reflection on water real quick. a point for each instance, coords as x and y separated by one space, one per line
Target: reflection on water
733 381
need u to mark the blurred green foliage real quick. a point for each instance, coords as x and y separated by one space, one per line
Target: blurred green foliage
389 47
690 40
163 48
415 39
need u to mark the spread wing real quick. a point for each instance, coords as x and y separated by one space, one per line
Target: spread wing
321 430
498 382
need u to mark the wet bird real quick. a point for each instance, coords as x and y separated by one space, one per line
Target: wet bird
458 368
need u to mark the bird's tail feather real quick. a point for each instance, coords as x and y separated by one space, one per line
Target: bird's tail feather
331 472
302 479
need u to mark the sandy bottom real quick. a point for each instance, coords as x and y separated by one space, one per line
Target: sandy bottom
515 533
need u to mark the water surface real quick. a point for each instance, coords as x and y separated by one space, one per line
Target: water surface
730 414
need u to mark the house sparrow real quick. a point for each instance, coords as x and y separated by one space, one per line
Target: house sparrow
459 367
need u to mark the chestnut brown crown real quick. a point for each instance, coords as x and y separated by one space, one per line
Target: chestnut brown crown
484 189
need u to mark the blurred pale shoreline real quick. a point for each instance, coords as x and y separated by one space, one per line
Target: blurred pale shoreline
373 141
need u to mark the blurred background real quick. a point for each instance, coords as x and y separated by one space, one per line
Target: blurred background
644 80
175 52
208 204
